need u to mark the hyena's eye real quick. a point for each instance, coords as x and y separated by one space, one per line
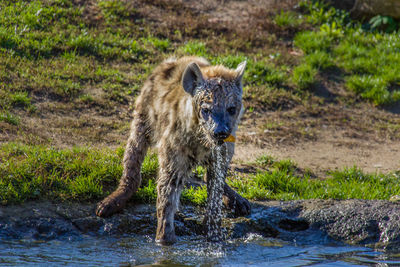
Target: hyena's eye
231 111
205 111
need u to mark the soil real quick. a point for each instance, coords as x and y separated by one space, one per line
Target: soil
336 138
324 132
329 153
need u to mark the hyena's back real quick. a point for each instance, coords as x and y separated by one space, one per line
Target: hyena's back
164 103
162 99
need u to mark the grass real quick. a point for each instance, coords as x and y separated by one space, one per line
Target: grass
60 61
282 181
78 174
87 174
304 76
369 59
48 48
287 19
52 48
9 118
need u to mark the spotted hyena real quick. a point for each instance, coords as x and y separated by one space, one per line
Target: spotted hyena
186 108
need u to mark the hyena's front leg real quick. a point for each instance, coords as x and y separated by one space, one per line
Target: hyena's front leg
135 152
172 175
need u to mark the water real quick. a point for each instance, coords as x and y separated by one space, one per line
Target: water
253 250
215 189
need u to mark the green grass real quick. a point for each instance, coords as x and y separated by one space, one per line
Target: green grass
34 172
287 19
372 87
50 48
311 42
86 174
281 182
304 76
369 59
319 60
9 118
80 174
195 48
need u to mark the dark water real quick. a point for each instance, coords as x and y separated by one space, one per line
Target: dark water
253 250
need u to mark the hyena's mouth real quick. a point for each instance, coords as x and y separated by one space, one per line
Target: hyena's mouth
220 142
217 141
211 141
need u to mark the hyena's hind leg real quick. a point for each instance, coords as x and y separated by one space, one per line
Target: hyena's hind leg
135 152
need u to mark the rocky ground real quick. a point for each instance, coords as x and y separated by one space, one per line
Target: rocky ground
358 222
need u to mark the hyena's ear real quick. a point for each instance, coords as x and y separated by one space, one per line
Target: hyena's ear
240 71
192 78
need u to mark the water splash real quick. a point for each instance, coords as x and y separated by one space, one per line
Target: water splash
215 188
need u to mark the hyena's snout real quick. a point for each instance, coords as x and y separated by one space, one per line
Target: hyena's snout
221 132
222 127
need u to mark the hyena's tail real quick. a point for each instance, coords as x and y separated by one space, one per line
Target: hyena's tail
135 152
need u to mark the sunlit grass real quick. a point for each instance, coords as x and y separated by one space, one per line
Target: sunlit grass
281 182
304 76
83 174
370 60
287 19
86 174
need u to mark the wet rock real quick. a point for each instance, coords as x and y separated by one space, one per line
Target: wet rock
238 228
87 224
37 228
187 222
358 221
293 225
374 223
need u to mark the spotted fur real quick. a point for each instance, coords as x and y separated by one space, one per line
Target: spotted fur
185 109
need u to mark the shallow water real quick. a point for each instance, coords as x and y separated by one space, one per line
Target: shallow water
253 250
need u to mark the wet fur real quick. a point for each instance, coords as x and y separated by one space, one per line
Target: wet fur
168 117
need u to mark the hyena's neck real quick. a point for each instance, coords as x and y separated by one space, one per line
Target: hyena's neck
188 116
192 134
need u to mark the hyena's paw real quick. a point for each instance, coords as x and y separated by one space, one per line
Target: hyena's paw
110 205
165 240
238 204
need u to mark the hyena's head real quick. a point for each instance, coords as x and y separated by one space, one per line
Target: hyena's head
217 99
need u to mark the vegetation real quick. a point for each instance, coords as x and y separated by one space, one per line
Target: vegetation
283 182
61 61
37 172
369 59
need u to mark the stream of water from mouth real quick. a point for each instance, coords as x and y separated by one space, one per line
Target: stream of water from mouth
215 188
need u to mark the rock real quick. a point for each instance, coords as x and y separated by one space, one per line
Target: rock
369 8
373 222
342 4
362 222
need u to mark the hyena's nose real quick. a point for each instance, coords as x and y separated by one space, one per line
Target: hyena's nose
221 134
